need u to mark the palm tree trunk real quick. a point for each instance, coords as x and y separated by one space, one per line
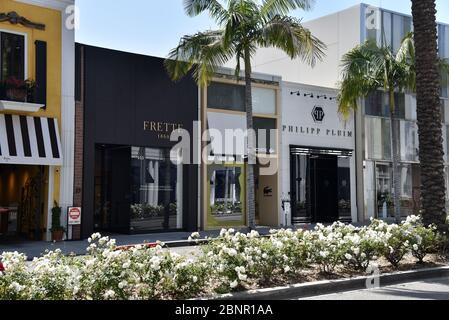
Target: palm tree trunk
250 186
428 113
394 125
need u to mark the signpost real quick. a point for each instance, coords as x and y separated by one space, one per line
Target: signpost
73 219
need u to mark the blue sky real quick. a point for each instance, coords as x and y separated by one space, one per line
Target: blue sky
153 27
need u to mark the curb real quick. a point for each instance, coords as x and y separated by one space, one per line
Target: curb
318 288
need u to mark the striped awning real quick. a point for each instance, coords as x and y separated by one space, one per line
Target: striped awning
29 140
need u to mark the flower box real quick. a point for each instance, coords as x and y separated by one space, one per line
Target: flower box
6 105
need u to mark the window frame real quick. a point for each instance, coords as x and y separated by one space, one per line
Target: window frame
25 56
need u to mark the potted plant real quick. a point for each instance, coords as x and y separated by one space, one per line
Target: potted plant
18 90
57 230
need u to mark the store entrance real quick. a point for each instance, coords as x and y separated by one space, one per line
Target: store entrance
323 191
320 185
22 202
137 190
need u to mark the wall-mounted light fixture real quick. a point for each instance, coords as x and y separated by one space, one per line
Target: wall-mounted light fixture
322 96
295 92
308 95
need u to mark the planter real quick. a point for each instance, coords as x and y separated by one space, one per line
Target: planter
57 235
15 94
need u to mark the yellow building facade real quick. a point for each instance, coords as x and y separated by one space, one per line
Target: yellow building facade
36 115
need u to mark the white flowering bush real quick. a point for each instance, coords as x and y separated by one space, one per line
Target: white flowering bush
423 240
328 246
230 256
234 261
14 280
362 247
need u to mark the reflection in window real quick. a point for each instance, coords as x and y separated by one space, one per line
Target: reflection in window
300 190
386 29
409 141
265 125
264 100
384 191
378 104
378 140
344 189
409 186
156 201
12 56
226 96
227 194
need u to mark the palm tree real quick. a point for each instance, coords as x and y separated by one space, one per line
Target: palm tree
243 26
368 68
428 113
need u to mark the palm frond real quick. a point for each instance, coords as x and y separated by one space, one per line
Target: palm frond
362 73
213 7
271 8
287 34
201 53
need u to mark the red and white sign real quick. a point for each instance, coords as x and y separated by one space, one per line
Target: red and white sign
74 216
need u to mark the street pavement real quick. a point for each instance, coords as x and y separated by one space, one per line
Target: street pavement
434 289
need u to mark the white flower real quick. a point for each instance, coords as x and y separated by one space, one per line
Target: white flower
348 256
126 265
122 284
287 269
110 294
264 256
415 247
16 287
195 279
240 269
242 277
234 284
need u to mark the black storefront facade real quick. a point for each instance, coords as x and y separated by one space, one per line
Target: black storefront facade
127 107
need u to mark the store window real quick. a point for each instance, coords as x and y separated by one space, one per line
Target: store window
378 138
378 104
409 141
12 56
265 127
344 189
264 101
156 190
409 188
226 195
226 96
386 29
401 27
410 107
443 39
384 192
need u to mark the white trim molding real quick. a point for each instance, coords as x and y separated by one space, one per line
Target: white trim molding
67 117
52 4
6 105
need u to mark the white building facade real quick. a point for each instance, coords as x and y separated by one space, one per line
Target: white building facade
341 32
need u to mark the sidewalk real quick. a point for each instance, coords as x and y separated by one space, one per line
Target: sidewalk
35 249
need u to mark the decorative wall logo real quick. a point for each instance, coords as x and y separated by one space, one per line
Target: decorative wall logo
162 129
72 17
373 18
318 114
